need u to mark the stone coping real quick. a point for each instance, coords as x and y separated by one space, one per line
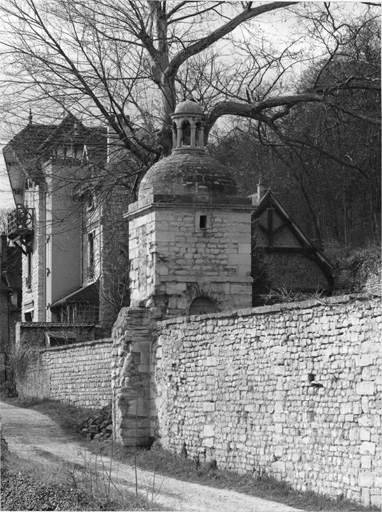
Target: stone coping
60 325
275 308
107 341
195 278
163 201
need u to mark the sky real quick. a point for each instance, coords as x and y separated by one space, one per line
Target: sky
6 198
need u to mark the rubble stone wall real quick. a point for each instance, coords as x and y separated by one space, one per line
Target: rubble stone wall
293 390
78 374
114 279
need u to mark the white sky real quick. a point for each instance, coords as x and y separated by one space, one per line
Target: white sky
6 197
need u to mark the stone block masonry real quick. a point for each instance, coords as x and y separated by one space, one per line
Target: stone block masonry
78 374
294 390
174 259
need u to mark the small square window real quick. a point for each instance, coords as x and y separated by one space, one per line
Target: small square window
203 222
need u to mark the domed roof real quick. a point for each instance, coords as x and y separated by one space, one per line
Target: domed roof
185 174
189 107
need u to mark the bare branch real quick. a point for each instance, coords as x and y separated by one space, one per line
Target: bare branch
219 33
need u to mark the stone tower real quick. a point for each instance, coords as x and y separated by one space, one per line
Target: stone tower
190 253
190 246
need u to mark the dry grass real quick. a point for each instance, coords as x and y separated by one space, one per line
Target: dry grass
30 485
90 485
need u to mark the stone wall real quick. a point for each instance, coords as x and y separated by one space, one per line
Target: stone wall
78 374
293 390
114 279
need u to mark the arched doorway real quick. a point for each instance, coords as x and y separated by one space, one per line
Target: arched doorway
202 305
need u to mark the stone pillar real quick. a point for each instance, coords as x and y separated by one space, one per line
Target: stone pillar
131 381
193 133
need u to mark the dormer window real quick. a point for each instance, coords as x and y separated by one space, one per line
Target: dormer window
28 184
91 202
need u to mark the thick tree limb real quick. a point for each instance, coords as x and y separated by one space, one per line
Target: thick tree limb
222 31
254 110
258 110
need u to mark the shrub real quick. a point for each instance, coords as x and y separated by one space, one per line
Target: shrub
24 357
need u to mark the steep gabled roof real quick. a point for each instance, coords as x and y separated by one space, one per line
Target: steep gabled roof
279 232
23 148
20 155
35 143
29 139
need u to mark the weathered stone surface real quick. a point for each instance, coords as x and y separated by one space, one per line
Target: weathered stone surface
78 374
281 389
131 382
365 388
173 260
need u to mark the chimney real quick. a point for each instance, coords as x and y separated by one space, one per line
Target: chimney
257 196
260 191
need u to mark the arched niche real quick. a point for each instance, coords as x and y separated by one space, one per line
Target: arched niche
202 306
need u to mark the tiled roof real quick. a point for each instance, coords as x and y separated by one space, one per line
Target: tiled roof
26 143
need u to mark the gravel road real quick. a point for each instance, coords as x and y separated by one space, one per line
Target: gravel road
35 436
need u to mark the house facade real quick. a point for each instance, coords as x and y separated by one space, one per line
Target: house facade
64 221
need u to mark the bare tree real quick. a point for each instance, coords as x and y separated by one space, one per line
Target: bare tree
329 153
127 63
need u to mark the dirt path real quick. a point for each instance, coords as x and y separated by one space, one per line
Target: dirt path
34 436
